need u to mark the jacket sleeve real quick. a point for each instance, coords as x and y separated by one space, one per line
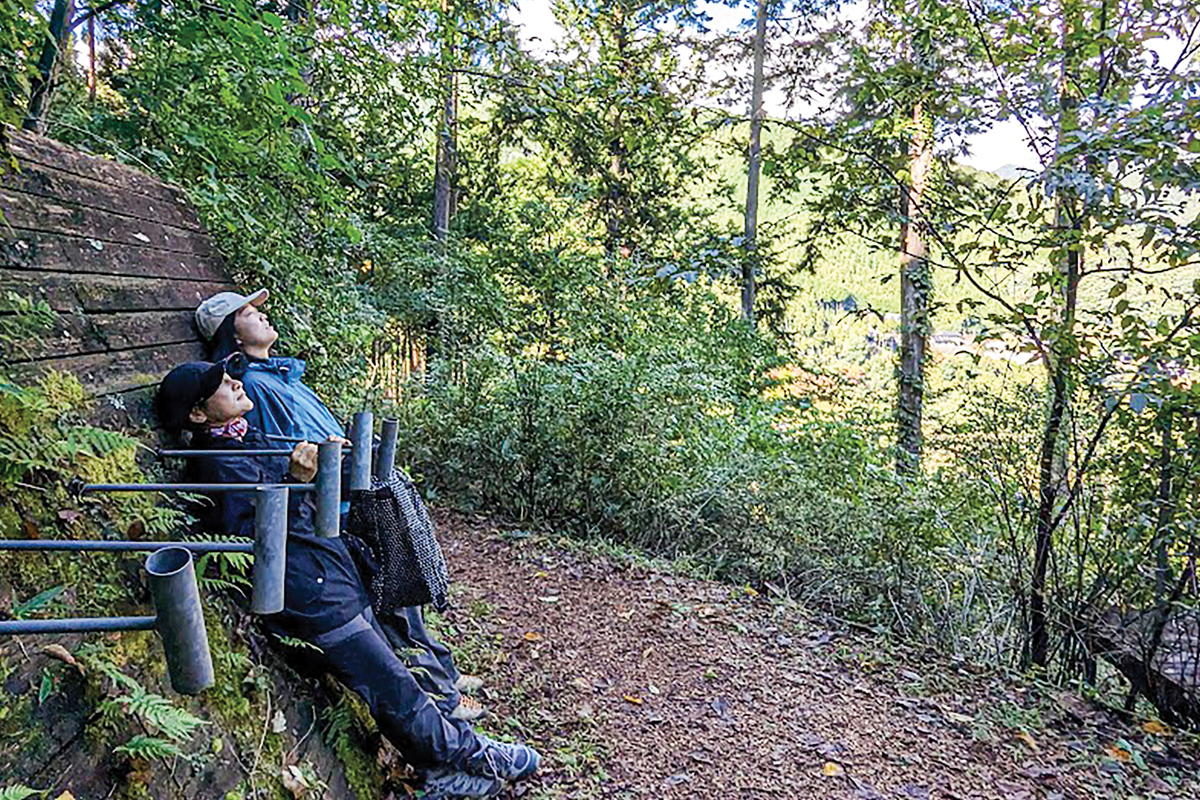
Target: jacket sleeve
232 513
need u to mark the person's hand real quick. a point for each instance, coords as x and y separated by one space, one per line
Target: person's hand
302 463
333 437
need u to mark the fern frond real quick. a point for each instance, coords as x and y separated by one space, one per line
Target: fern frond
19 792
161 714
148 747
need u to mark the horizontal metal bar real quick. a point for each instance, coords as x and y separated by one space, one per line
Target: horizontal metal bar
297 439
121 546
198 453
194 487
77 625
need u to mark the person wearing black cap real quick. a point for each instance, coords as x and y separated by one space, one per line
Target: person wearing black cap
325 602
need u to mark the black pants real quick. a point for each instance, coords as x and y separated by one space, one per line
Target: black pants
361 657
431 661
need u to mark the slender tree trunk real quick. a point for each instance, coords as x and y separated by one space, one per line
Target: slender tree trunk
617 212
49 65
1068 220
447 144
915 287
754 164
91 58
1166 508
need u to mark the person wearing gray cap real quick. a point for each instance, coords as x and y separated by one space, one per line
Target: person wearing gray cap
285 406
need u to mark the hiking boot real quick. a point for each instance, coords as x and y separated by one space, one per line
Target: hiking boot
468 709
511 762
468 684
447 783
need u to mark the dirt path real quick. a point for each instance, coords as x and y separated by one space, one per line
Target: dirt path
639 684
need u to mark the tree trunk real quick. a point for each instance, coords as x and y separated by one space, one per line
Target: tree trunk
617 212
754 164
915 287
49 65
1068 220
447 144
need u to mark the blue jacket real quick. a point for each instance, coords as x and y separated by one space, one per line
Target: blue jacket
283 405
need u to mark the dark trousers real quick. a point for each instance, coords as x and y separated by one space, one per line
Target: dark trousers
431 662
360 656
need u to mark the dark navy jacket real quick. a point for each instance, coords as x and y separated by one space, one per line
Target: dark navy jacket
322 590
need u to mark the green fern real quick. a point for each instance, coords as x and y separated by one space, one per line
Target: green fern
161 714
19 792
299 644
154 710
149 747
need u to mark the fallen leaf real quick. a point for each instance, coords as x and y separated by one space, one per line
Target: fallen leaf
582 684
633 699
541 573
65 796
1028 740
962 719
1117 753
646 653
1155 727
533 636
751 592
653 689
294 781
549 599
69 515
278 723
60 652
832 769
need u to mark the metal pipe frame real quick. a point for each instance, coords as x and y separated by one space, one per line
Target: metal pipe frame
180 619
193 487
17 627
329 489
202 453
360 464
385 459
124 546
296 440
270 550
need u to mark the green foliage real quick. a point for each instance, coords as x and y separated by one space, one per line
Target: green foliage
19 792
22 30
155 712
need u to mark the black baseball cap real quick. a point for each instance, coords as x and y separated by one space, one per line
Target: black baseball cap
189 385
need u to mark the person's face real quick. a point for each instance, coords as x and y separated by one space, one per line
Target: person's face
228 402
252 327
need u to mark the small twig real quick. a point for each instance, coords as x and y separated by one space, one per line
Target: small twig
258 753
295 750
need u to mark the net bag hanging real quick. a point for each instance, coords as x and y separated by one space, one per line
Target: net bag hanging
392 525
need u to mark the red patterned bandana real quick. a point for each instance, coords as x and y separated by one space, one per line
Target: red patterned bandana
234 429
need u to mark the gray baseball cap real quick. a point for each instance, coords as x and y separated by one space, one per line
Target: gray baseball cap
213 311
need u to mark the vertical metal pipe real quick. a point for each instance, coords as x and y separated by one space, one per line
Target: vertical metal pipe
329 488
270 550
360 460
385 459
180 619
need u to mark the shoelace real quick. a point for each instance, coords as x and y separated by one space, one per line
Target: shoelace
498 753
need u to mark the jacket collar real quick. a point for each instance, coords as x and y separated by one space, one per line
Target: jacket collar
291 368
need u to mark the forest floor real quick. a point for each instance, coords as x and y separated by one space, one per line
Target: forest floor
635 682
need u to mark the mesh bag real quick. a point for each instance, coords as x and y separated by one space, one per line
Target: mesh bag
398 554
